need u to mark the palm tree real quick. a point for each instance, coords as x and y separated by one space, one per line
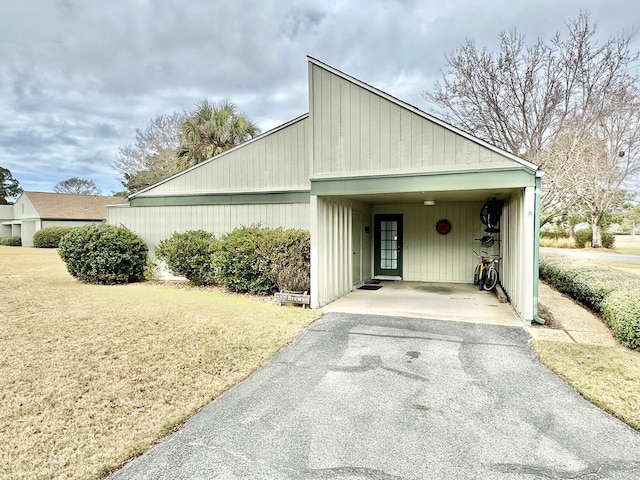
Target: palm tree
211 129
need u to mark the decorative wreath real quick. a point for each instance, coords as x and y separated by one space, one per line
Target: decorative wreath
443 226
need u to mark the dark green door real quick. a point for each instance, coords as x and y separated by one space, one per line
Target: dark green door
388 245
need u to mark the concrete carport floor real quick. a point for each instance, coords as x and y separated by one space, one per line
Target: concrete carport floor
439 301
380 397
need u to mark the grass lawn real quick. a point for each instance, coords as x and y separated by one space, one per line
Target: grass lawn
608 377
93 375
633 249
627 244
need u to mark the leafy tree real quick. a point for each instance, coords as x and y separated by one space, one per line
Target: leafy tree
153 156
76 185
631 220
570 105
211 129
9 187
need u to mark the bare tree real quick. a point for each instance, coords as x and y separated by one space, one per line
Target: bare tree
76 185
153 157
541 100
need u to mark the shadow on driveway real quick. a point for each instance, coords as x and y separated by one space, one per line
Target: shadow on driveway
366 397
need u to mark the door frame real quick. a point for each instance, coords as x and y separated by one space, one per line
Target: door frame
357 246
379 272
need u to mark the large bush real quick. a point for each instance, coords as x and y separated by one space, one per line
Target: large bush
291 260
104 254
240 262
49 237
14 241
585 236
609 291
263 260
190 254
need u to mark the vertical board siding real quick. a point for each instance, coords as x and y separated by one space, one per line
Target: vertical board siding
278 161
513 252
511 270
358 132
334 249
154 224
431 257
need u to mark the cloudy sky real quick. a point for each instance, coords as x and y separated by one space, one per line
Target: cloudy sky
78 77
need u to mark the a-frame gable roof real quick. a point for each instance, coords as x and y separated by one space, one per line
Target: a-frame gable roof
415 110
274 160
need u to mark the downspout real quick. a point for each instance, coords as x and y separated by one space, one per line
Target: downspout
536 247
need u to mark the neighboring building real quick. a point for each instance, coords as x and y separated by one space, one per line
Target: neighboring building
360 171
35 210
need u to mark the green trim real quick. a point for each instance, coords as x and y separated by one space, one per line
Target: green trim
536 251
417 183
222 199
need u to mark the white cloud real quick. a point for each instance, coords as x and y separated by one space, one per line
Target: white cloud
77 78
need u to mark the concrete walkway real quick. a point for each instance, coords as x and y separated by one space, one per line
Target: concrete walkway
579 325
380 397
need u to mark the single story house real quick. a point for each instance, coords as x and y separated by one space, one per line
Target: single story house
33 211
386 190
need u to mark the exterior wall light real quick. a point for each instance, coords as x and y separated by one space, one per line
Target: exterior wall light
429 203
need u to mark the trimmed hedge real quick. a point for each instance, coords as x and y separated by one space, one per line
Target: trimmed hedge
291 260
190 254
104 254
49 237
621 311
15 241
249 259
263 260
611 292
242 260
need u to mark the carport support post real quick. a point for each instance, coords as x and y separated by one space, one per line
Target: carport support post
536 247
314 232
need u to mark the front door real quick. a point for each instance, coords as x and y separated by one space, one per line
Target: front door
388 245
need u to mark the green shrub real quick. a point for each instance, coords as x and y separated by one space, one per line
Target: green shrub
104 254
151 269
557 232
600 288
621 311
263 260
49 237
291 260
15 241
190 254
240 263
585 236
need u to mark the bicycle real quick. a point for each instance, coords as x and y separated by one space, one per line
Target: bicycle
490 274
479 270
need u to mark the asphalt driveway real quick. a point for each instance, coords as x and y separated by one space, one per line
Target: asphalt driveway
358 397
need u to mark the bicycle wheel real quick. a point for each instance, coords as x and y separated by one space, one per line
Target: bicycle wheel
476 273
491 279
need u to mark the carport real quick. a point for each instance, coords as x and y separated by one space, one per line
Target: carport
396 194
